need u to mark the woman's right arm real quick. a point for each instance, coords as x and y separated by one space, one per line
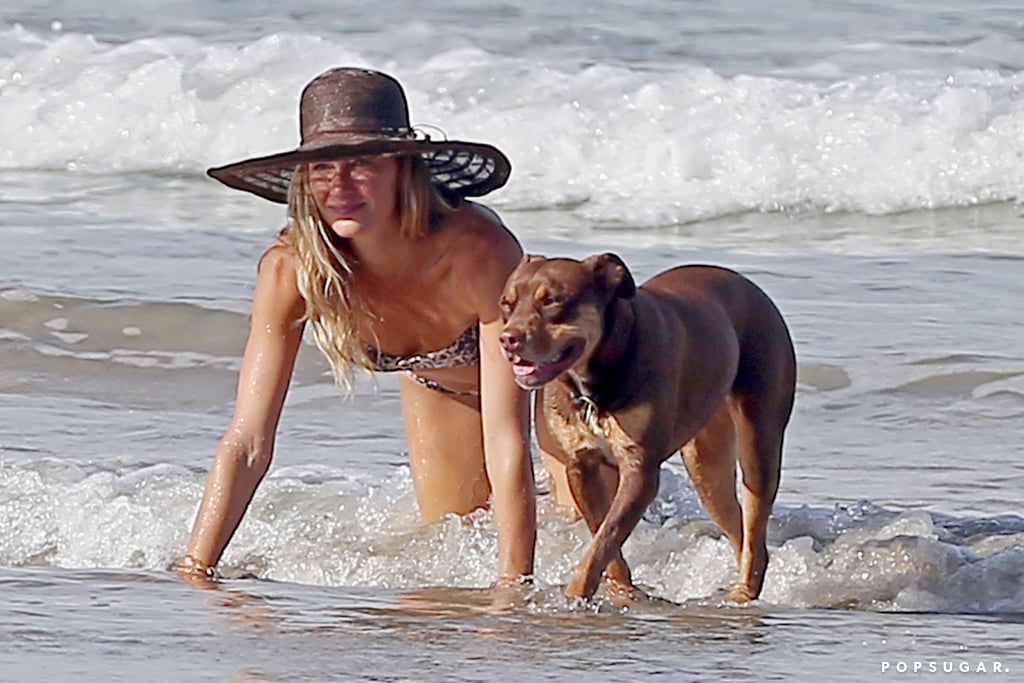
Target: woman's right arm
245 451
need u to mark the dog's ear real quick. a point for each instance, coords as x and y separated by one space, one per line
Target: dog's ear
528 258
612 274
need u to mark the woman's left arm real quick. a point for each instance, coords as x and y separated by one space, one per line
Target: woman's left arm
505 409
505 412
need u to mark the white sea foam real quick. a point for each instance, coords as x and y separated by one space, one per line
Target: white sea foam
624 145
325 527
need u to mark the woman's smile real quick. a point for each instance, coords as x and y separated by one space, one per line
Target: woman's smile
345 207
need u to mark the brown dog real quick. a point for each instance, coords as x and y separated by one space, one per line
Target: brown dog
697 359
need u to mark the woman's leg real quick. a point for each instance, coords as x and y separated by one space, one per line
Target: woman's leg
446 452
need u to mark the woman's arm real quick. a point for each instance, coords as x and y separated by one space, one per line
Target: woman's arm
245 451
504 408
505 414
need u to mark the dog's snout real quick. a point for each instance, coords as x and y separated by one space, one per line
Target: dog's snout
512 340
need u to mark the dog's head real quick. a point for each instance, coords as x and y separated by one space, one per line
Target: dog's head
553 311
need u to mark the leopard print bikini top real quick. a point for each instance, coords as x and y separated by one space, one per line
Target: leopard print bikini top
462 352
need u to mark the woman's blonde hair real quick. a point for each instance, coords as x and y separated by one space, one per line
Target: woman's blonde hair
324 270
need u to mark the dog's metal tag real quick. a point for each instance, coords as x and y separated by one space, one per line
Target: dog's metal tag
588 411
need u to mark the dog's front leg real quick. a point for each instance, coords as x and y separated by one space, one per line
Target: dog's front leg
638 485
593 499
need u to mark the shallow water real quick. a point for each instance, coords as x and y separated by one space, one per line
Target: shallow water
261 631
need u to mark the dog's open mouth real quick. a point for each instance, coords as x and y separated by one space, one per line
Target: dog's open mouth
532 374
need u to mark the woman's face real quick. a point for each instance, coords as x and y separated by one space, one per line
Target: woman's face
355 195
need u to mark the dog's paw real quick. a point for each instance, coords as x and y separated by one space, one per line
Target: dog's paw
622 594
575 590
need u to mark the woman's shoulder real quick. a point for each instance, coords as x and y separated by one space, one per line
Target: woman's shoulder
280 264
475 234
481 252
279 255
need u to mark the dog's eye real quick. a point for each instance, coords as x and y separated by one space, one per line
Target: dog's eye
550 303
505 306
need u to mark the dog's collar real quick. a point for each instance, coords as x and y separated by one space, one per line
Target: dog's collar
587 407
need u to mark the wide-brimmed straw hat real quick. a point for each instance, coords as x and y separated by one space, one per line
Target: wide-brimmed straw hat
349 112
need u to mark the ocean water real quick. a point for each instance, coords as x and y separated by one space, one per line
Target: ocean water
861 160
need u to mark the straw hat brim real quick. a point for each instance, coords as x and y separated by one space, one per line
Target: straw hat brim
467 169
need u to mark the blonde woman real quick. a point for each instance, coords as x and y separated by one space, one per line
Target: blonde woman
394 270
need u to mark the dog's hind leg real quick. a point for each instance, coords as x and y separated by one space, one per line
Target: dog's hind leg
710 459
760 457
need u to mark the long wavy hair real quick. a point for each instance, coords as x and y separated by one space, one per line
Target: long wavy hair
324 270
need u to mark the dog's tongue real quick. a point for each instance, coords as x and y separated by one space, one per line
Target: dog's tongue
524 368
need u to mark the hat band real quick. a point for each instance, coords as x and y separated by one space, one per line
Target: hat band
359 133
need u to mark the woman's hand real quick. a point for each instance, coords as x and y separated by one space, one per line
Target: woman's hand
509 593
196 572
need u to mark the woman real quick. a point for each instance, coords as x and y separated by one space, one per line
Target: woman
393 270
